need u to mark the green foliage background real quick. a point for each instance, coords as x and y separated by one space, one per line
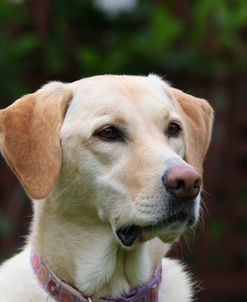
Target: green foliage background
208 39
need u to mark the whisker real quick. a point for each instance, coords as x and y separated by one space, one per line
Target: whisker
186 241
203 215
207 193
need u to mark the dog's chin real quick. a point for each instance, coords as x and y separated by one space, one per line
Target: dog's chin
167 229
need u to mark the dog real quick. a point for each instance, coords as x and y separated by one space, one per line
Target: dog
113 165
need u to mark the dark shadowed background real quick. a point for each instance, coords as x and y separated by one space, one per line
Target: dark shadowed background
198 46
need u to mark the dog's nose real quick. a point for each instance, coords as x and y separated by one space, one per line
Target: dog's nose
182 182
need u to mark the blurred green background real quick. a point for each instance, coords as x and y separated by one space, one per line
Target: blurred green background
198 46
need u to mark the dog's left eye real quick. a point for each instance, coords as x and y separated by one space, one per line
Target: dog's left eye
110 134
174 129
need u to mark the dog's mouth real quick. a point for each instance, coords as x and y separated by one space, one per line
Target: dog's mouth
128 235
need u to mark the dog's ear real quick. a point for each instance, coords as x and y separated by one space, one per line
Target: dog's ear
29 137
198 117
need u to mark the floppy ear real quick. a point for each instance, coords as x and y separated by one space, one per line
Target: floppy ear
29 137
198 117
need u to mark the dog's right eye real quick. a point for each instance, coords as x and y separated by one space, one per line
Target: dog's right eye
110 134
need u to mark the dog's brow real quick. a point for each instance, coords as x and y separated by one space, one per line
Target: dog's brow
110 117
113 117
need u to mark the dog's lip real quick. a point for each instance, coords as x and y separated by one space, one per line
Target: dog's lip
128 235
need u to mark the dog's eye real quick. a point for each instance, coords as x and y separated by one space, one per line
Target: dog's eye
110 133
174 129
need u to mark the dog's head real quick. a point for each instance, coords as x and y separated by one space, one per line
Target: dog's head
120 150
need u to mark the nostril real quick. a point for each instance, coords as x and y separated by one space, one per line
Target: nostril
180 184
173 182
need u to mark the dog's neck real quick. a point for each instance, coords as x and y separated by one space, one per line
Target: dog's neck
88 256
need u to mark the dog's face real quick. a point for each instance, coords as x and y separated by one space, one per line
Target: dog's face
131 154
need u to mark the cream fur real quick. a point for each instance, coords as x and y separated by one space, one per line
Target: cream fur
101 187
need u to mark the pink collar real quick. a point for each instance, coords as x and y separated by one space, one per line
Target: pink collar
62 291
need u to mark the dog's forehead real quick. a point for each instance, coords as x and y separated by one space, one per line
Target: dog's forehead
103 94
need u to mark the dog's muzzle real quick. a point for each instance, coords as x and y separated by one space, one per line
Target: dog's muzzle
183 184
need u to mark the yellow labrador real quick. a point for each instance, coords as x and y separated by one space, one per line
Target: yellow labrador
114 166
